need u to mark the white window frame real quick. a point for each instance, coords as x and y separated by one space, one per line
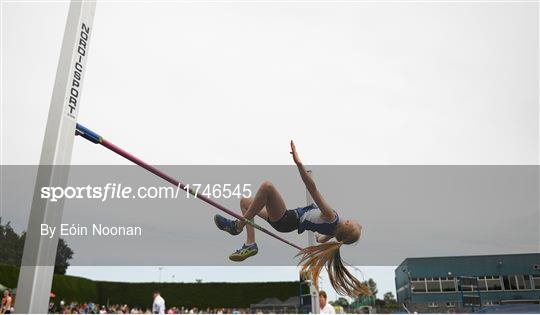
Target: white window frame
482 279
495 278
418 280
515 278
532 282
432 281
453 279
432 304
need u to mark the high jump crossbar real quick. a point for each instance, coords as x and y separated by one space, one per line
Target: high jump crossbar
97 139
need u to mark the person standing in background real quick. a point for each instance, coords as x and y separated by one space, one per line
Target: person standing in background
326 308
158 307
7 302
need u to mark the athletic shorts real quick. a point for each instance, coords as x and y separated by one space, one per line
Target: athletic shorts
288 222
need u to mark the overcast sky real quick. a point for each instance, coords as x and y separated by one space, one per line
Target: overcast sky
232 83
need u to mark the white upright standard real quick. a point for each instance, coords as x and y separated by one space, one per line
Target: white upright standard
35 279
315 308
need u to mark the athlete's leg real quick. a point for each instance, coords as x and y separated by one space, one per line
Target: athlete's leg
245 203
267 204
267 197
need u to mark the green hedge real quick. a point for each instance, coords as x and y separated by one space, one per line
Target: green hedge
200 295
68 287
9 276
75 289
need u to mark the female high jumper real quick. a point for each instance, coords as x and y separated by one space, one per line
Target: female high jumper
319 217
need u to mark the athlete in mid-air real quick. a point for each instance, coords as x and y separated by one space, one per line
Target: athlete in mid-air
319 217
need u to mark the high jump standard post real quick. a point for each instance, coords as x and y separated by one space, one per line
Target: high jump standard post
37 267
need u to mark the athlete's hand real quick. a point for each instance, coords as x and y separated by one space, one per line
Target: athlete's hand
321 238
317 237
296 159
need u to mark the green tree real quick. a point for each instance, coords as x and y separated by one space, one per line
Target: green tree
63 256
389 298
372 285
12 245
388 304
365 300
341 302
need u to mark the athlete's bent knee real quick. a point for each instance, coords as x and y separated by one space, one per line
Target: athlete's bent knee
245 203
267 186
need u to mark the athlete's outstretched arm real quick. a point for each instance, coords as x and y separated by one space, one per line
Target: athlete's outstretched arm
326 210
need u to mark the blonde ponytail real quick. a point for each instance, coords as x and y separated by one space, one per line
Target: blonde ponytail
314 258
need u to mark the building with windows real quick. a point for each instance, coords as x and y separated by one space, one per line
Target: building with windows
462 283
